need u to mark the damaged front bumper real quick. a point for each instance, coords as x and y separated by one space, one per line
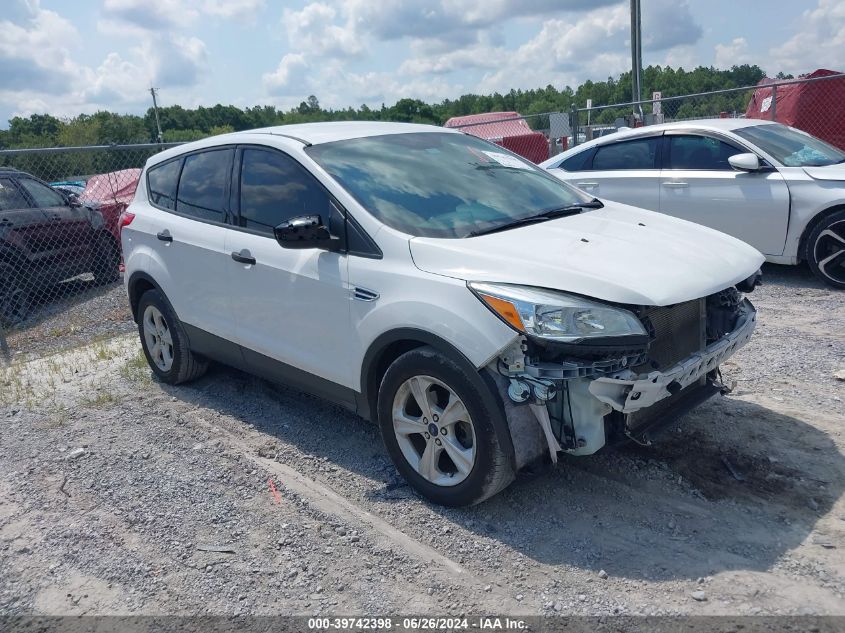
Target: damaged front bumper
578 406
628 392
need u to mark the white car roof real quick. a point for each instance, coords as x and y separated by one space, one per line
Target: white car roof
307 133
700 125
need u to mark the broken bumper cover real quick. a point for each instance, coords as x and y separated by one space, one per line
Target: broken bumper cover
628 392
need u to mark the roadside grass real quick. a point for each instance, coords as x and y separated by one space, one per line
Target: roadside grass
136 369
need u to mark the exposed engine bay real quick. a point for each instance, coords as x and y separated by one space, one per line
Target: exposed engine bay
584 397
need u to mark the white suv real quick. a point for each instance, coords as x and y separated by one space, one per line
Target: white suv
486 315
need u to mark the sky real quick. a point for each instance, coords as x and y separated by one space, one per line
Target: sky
66 57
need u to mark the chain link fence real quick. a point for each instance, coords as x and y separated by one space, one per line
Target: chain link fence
60 258
815 104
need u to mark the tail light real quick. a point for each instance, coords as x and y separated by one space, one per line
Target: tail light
124 220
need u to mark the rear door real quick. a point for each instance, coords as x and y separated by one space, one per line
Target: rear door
625 171
184 229
698 184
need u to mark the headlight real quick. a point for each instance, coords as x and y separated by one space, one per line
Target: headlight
556 316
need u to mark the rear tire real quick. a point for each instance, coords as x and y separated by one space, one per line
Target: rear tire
826 249
165 342
15 300
107 260
455 448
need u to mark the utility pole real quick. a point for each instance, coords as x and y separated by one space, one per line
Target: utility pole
636 57
155 109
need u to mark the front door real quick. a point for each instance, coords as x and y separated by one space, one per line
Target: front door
291 305
698 184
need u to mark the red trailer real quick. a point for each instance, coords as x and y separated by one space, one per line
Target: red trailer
817 107
506 129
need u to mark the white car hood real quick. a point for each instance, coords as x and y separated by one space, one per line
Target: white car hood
605 254
828 172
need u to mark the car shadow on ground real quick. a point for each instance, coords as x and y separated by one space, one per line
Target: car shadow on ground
799 276
733 486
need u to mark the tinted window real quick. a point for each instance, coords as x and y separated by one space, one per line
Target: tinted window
637 154
43 196
700 152
577 162
275 188
202 186
791 147
441 184
163 179
10 197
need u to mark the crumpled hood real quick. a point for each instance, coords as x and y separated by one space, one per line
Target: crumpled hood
828 172
607 254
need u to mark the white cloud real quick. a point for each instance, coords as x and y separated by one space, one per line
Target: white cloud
36 49
734 53
151 14
820 39
237 9
313 30
289 77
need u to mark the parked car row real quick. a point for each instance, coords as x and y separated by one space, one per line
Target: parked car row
48 235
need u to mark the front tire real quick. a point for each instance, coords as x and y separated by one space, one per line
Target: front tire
446 436
165 342
826 249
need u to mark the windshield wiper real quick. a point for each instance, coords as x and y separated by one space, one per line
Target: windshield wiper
543 216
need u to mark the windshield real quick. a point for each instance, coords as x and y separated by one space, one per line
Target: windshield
791 147
437 184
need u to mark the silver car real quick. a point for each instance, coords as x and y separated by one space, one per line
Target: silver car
777 188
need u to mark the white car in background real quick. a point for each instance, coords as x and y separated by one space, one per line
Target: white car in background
776 188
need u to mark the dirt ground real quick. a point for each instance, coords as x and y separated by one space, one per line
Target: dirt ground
120 495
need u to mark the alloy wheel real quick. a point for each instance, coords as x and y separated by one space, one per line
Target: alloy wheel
434 430
158 338
829 252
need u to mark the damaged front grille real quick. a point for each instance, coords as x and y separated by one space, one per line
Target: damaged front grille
676 332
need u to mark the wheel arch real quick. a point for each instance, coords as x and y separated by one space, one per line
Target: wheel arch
811 225
389 346
138 284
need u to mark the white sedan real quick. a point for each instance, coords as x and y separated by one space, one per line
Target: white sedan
777 188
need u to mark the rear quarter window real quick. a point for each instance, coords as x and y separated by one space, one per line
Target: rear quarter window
578 162
162 181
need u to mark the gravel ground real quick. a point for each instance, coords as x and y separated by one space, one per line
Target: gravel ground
120 495
79 311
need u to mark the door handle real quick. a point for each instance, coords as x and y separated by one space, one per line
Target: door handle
164 236
244 257
676 185
587 184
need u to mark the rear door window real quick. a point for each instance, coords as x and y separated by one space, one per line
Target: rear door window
162 181
11 197
635 154
203 185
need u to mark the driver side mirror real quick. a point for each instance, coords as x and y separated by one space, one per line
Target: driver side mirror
305 231
745 162
72 199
